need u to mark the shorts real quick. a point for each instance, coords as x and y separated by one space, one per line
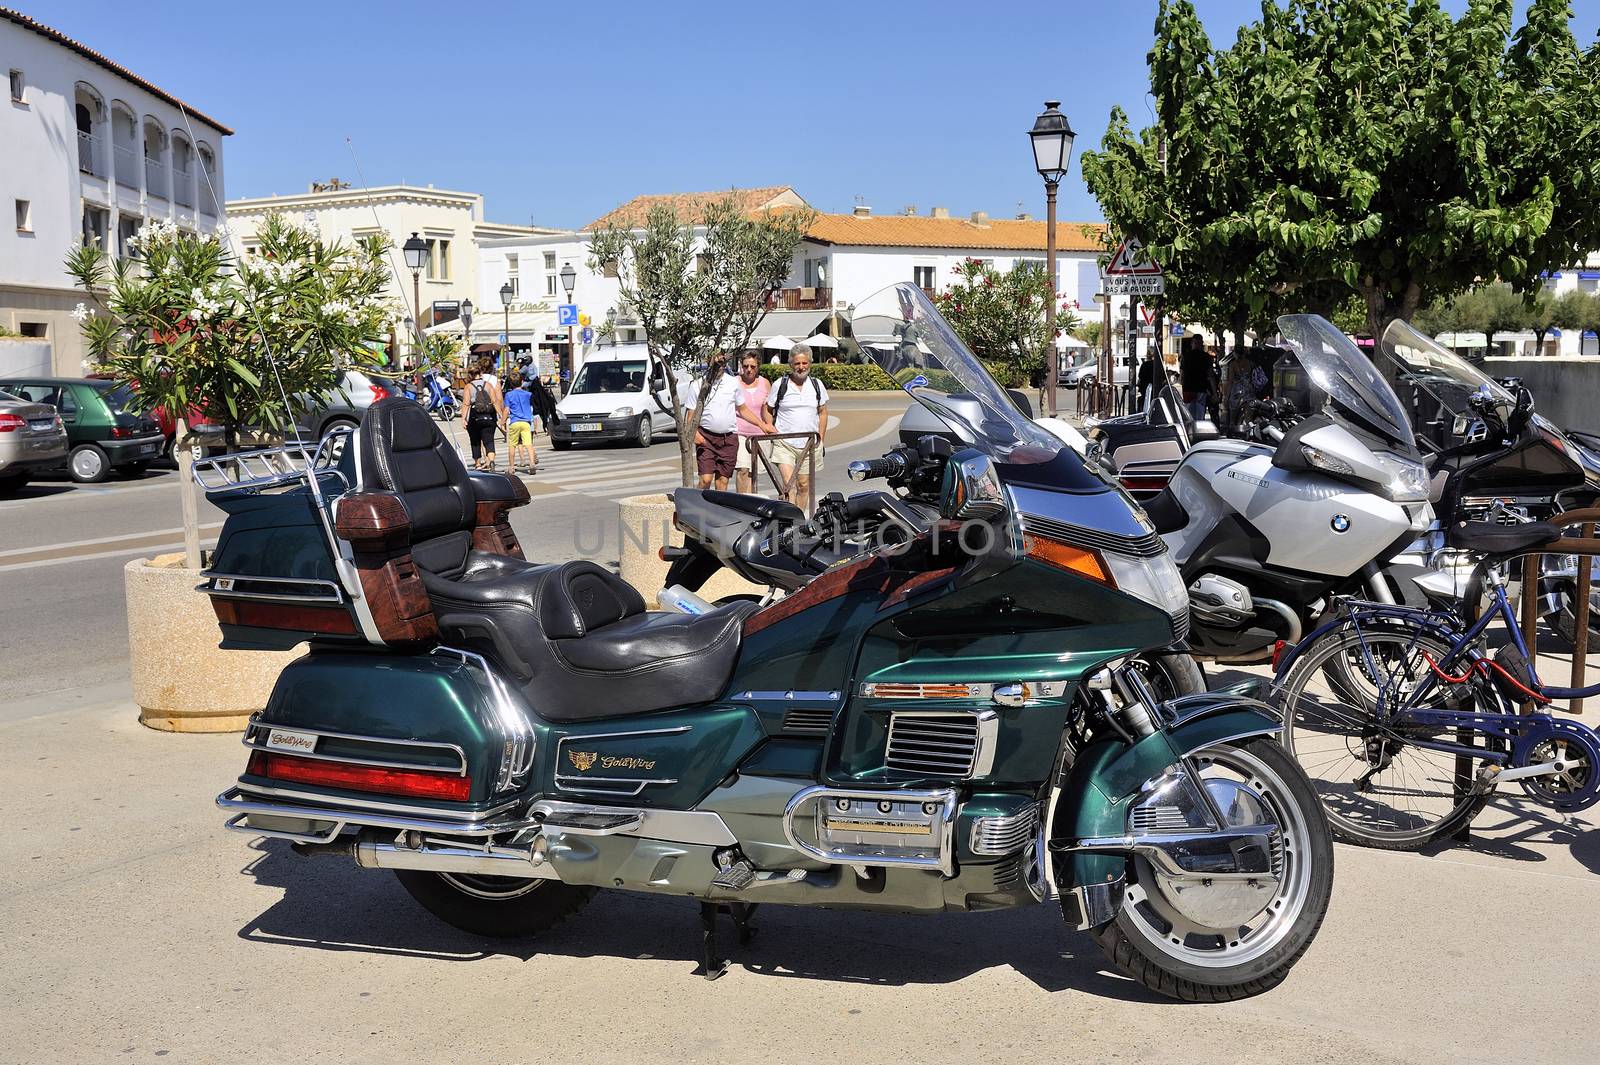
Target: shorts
519 434
747 454
716 457
788 452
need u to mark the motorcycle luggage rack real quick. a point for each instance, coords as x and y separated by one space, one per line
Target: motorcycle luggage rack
271 467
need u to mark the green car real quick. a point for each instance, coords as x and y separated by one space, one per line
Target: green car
104 430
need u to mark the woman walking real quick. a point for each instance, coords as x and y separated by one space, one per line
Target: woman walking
483 408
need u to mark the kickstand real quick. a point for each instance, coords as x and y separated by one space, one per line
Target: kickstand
712 962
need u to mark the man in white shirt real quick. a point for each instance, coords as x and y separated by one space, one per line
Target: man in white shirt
716 440
798 403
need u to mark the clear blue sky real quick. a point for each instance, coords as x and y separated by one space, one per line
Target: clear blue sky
556 111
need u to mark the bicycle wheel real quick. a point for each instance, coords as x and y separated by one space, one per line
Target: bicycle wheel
1378 787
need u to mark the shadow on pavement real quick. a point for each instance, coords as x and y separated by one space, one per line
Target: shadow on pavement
331 904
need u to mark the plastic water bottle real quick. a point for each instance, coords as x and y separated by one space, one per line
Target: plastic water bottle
682 600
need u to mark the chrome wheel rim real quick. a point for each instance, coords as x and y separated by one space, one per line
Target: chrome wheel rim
495 888
88 463
1146 912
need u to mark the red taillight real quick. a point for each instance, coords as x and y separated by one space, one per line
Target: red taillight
379 392
10 423
1277 654
121 432
1144 484
416 783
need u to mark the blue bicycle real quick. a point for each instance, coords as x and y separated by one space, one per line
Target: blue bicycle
1406 723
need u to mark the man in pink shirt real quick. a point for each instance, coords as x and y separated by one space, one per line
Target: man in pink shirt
752 418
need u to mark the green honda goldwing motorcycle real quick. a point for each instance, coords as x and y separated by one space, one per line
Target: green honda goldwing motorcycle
944 722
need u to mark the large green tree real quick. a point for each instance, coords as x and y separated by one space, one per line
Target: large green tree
1371 146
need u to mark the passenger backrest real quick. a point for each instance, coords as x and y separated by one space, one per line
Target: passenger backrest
401 450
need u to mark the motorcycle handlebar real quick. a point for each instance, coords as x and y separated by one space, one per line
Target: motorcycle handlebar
891 465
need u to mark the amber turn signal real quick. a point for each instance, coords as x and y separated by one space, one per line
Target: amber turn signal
1065 556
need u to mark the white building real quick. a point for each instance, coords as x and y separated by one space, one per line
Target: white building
845 258
451 223
88 152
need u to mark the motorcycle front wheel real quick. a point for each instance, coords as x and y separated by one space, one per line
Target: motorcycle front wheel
502 907
1154 942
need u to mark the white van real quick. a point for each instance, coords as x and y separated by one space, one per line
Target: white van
619 393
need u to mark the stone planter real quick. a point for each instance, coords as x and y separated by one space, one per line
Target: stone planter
646 526
182 681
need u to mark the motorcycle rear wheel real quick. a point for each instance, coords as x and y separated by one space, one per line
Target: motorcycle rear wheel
501 907
1169 954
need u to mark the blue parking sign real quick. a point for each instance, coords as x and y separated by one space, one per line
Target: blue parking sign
566 314
587 335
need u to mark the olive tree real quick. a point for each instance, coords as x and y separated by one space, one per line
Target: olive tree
701 286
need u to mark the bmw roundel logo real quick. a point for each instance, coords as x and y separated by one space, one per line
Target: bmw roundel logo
1340 523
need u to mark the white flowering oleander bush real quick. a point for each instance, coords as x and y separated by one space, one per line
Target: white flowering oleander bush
247 341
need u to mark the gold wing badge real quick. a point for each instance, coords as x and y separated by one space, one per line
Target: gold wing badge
581 760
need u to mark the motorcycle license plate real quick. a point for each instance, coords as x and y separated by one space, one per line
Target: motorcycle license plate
282 739
586 427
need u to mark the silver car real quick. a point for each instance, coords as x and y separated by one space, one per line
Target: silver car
32 437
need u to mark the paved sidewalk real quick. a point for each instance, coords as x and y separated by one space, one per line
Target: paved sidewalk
132 927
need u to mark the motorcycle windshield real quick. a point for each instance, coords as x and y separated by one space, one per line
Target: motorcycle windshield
1352 383
1440 372
899 329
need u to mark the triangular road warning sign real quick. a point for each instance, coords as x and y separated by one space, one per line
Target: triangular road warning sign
1131 260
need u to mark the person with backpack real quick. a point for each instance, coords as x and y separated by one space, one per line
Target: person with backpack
799 404
482 410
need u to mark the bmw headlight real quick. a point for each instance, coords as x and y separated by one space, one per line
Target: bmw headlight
1155 580
623 412
1408 480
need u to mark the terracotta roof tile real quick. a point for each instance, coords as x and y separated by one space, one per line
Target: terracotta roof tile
921 231
689 206
121 71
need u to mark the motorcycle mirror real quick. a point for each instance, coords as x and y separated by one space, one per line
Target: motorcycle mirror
971 488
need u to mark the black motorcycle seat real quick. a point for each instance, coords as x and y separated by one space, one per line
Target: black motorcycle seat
578 641
1165 512
759 506
1489 538
574 636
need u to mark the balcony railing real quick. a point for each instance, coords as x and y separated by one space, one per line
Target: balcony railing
127 166
183 187
805 299
88 150
155 177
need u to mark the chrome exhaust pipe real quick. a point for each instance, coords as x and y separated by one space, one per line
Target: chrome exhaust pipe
521 862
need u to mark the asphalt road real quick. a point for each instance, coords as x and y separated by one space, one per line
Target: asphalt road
63 546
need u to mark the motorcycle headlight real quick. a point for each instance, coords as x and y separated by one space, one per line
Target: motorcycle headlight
1408 480
623 412
1155 580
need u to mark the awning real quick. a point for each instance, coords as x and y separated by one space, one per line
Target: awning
788 324
821 340
526 327
777 343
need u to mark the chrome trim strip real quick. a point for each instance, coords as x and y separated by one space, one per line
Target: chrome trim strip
702 827
249 731
1002 835
945 797
988 741
213 576
454 821
787 696
516 731
915 689
481 824
1146 546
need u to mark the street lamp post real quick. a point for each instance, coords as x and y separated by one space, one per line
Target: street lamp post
466 323
505 302
1052 148
569 279
416 253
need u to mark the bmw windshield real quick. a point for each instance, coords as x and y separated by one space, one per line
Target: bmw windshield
1440 372
899 329
1354 386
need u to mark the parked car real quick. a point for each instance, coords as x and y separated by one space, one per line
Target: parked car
1085 368
32 437
104 430
332 410
613 397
